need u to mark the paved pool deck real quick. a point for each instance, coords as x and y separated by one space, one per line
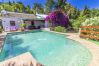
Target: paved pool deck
25 59
93 48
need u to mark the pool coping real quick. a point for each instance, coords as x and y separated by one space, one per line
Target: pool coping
25 58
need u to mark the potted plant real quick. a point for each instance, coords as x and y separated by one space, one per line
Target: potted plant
23 26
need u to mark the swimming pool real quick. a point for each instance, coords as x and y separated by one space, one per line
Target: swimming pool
48 48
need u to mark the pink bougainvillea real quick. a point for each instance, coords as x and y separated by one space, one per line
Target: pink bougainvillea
58 18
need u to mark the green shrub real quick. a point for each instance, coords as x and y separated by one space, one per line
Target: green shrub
91 21
23 25
60 29
77 22
1 29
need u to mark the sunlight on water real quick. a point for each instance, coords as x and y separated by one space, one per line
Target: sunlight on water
48 48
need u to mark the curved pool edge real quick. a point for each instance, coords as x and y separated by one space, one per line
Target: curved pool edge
72 36
76 38
93 48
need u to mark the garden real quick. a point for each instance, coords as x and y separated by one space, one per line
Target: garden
61 14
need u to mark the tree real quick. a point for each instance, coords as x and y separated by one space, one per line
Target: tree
28 9
71 11
15 7
74 13
67 8
94 12
86 12
18 7
19 2
49 5
38 8
60 4
10 3
13 2
22 7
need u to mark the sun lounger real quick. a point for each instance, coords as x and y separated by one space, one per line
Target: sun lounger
13 28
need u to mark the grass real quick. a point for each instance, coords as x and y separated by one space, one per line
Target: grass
96 42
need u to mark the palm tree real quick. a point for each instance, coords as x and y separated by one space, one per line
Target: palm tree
38 8
3 2
60 4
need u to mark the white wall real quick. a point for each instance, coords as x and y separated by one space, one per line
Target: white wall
6 23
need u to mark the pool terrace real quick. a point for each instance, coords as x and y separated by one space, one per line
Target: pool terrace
93 48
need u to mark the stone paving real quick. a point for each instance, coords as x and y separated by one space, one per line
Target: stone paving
25 59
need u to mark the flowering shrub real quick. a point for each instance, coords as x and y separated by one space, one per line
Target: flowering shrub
91 22
58 18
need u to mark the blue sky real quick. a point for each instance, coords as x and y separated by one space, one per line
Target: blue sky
77 3
82 3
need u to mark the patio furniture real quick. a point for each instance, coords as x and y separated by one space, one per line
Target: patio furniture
13 28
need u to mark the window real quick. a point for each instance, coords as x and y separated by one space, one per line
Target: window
12 23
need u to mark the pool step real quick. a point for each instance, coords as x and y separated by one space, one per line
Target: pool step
25 59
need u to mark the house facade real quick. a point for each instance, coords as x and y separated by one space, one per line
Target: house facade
10 24
10 21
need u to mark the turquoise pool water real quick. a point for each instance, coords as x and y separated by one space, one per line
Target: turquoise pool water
48 48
